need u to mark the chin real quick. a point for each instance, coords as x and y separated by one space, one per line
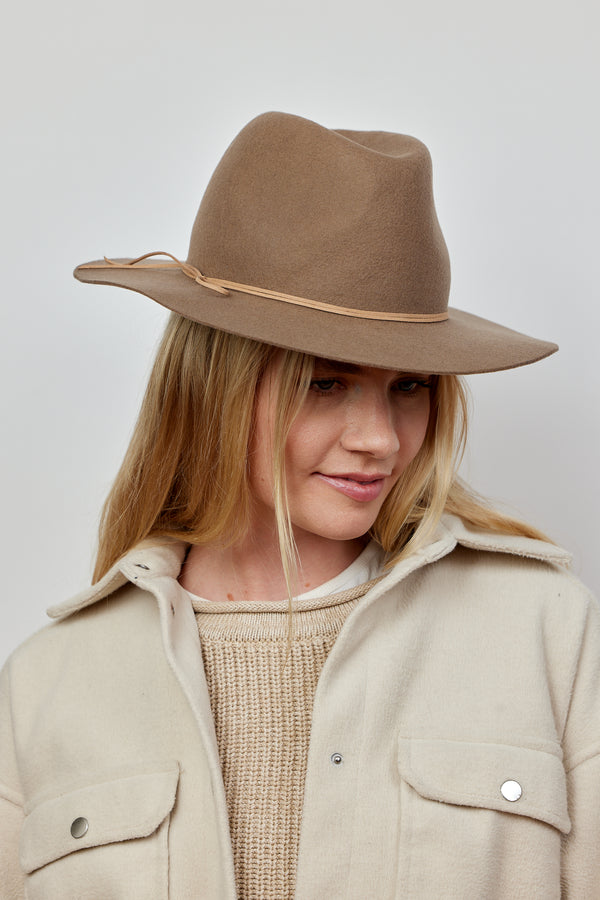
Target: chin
344 538
341 532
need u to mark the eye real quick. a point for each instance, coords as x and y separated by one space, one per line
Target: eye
411 385
323 385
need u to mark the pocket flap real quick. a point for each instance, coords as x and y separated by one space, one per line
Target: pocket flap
109 811
483 775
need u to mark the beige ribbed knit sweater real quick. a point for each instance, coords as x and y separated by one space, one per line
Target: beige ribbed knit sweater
262 708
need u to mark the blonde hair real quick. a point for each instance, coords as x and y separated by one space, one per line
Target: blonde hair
185 472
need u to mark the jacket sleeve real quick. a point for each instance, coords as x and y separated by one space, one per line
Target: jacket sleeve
581 847
11 803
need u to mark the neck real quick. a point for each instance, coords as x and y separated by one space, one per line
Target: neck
252 569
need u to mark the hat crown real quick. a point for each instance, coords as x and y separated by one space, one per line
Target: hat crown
343 217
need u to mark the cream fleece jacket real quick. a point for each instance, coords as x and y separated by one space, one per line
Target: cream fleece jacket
473 665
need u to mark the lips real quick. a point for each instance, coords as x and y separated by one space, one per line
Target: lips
356 485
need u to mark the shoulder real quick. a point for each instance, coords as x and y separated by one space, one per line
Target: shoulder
525 577
114 618
486 575
96 631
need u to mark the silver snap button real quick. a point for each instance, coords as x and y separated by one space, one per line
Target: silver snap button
511 790
79 827
337 759
142 566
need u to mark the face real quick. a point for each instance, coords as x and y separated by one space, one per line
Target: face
357 431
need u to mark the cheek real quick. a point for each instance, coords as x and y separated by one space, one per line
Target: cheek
300 453
310 438
412 430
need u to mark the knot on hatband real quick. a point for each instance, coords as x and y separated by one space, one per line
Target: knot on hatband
187 269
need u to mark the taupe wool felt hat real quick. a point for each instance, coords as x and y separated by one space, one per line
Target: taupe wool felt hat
326 242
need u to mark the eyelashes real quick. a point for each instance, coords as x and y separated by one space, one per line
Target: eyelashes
406 386
409 385
323 385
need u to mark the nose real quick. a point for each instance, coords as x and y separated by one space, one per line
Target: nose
371 426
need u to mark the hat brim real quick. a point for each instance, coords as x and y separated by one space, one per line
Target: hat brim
463 344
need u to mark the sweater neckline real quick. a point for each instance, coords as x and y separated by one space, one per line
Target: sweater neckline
281 606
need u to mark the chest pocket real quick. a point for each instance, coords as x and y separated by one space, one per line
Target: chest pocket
108 839
480 820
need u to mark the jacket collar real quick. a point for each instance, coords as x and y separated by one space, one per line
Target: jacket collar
163 557
477 539
158 557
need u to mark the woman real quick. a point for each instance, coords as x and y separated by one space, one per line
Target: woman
312 663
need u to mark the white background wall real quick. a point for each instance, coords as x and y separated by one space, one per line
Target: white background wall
114 117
